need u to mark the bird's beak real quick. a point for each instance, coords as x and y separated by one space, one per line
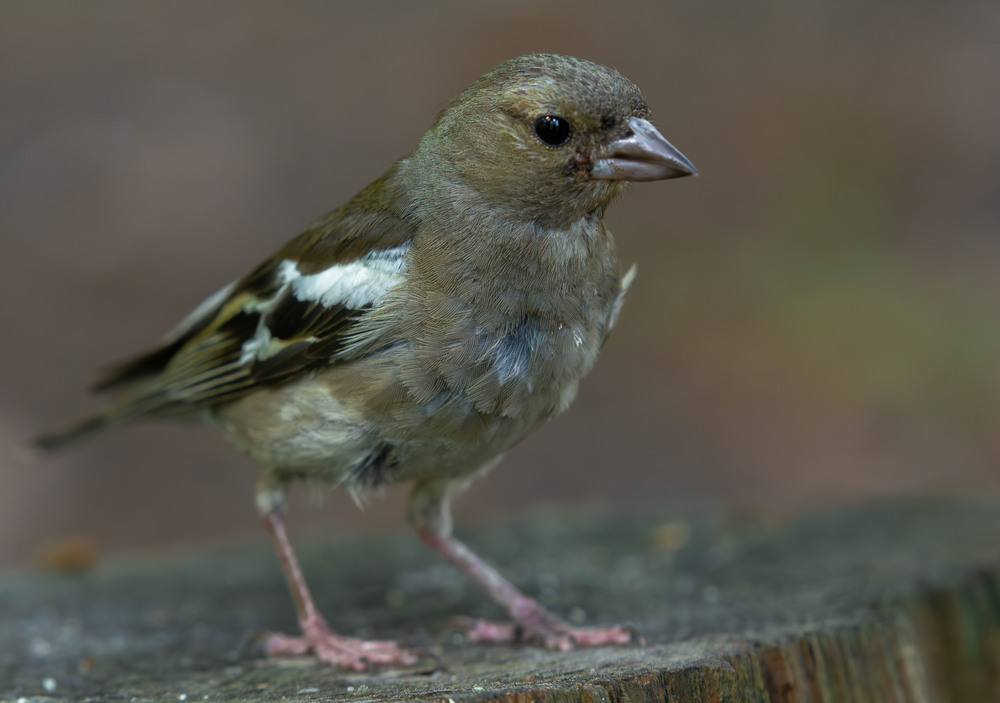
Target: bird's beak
644 155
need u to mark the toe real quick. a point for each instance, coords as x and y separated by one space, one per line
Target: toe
343 652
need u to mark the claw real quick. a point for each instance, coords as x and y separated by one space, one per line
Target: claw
345 652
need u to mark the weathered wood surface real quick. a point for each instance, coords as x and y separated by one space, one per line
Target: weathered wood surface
884 602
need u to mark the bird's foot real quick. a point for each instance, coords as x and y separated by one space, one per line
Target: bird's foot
548 631
344 652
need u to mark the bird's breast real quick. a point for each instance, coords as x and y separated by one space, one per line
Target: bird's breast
508 337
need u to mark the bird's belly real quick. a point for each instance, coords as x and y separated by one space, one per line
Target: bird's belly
300 428
474 418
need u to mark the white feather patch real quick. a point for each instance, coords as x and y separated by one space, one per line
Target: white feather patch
359 284
259 346
620 300
355 285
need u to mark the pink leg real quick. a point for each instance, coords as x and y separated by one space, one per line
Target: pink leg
347 652
533 622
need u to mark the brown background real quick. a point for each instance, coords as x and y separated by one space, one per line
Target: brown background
815 318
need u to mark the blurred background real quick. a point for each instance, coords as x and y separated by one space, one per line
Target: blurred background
815 319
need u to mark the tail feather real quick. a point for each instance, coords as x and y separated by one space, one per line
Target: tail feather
123 410
68 434
57 439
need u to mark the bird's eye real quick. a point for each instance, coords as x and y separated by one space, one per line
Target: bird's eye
553 130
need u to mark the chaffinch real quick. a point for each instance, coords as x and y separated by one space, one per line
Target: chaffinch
422 329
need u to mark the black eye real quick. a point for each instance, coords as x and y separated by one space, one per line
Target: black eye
553 129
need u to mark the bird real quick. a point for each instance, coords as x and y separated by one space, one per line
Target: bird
420 330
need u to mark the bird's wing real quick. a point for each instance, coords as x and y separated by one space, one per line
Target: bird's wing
288 316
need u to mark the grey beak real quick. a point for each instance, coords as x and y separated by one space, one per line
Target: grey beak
644 155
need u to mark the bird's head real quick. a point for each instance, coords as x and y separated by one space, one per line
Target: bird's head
550 138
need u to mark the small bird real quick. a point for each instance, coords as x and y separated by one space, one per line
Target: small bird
423 328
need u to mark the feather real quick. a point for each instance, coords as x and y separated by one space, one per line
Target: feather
288 316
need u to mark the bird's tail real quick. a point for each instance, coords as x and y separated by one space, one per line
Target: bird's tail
132 400
74 431
59 438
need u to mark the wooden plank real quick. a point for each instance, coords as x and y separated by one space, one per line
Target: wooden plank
882 602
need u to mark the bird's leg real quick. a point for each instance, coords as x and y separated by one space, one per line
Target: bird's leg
430 515
347 652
